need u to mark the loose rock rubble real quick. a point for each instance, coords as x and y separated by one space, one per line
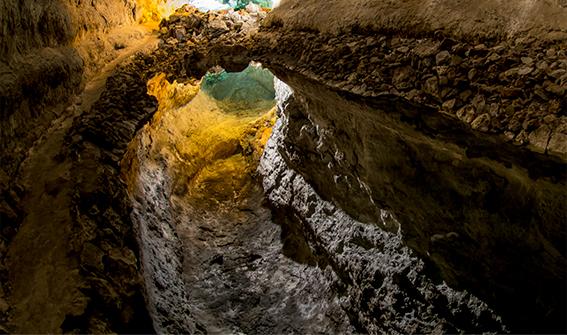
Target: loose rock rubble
192 42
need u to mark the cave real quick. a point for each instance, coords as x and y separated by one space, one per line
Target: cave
283 167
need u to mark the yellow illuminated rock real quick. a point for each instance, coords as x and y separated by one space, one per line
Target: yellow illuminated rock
212 146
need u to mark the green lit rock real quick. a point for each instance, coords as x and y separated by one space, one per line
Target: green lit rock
252 87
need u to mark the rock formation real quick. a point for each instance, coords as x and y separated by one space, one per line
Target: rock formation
414 181
456 130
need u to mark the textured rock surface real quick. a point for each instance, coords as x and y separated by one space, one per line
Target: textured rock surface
472 168
102 234
161 254
459 18
213 257
381 283
424 128
47 48
69 270
514 88
467 202
191 42
97 283
160 248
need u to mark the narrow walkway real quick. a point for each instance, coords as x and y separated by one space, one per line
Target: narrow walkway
45 281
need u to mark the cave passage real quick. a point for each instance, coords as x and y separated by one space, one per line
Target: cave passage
200 155
219 167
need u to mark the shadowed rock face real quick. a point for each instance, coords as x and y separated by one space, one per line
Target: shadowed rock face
487 221
383 286
47 51
459 135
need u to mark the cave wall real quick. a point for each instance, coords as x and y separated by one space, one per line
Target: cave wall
381 283
47 50
487 225
487 211
439 114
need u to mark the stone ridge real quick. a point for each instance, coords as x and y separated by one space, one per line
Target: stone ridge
192 42
515 89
